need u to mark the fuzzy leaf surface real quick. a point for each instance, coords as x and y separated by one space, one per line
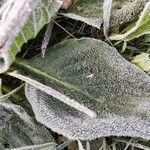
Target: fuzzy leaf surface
91 11
142 61
96 76
18 129
42 12
40 16
140 28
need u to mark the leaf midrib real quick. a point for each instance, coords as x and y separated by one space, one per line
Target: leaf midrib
24 65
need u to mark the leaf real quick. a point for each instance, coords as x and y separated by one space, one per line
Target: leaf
11 21
106 15
141 27
142 61
94 75
18 129
41 15
54 93
91 11
46 146
6 96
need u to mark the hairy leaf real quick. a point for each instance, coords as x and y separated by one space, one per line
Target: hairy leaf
142 61
106 15
54 93
18 129
6 96
13 14
96 76
91 11
41 15
141 27
46 146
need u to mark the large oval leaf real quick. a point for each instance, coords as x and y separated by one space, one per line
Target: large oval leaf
96 76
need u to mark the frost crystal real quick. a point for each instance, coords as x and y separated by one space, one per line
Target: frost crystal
118 92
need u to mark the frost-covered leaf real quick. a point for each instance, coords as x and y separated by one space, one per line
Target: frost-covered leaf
142 26
96 76
54 93
15 17
18 129
91 11
142 61
46 146
40 16
13 14
106 15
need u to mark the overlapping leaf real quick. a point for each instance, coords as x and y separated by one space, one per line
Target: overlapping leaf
41 15
142 26
18 129
142 61
13 15
96 76
91 11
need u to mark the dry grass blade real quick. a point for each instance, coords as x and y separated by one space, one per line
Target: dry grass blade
63 145
88 145
80 145
47 36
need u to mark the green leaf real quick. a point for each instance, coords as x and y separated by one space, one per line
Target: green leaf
107 5
40 16
91 11
142 61
94 75
18 129
42 13
6 96
141 27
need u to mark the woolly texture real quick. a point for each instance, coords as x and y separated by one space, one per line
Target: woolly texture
97 76
140 28
91 11
106 15
17 129
21 21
